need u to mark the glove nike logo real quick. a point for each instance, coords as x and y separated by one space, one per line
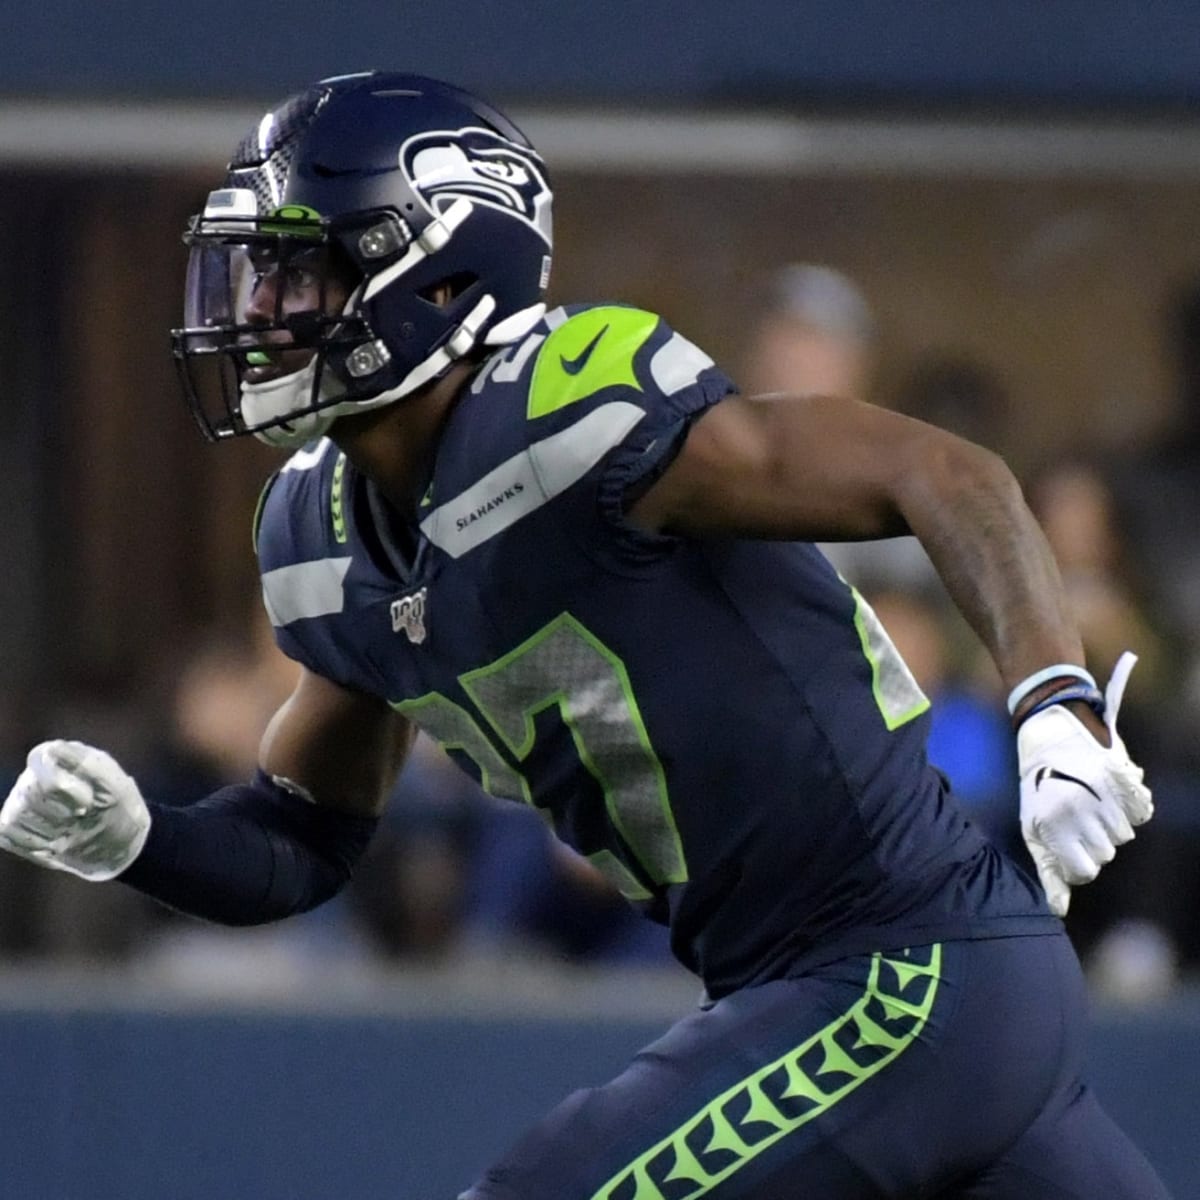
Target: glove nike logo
573 366
1045 773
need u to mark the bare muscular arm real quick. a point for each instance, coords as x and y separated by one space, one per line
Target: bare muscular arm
343 748
825 469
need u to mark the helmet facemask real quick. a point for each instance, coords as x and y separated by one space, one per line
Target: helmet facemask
269 324
370 233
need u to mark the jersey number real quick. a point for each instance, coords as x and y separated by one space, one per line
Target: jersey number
566 666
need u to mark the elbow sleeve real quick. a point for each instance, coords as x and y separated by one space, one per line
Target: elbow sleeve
248 854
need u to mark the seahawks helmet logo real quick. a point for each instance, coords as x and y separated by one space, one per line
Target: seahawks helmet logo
482 167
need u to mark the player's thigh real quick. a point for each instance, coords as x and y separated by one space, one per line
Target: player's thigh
868 1078
1073 1151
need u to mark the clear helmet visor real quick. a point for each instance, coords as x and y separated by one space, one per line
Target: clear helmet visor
217 287
272 291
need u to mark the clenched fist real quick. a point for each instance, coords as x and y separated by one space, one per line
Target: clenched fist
74 809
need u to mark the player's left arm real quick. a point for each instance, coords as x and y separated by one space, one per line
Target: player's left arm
830 469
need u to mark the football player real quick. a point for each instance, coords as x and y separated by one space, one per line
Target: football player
562 544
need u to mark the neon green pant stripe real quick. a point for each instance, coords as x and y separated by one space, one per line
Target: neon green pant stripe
748 1118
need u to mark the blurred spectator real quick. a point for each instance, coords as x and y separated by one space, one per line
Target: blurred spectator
411 890
223 694
1077 512
222 697
453 870
1157 491
813 333
532 893
958 393
1156 485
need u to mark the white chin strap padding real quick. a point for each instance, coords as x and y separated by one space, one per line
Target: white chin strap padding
274 399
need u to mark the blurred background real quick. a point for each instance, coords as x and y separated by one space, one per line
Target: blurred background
982 215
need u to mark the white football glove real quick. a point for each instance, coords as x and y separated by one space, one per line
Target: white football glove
74 809
1079 799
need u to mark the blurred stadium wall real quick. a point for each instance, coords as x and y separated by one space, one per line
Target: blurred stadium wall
384 1093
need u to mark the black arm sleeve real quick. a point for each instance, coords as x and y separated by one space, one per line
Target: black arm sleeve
248 854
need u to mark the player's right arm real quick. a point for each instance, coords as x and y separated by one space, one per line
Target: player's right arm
250 853
831 469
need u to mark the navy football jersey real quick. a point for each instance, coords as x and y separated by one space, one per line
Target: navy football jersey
721 726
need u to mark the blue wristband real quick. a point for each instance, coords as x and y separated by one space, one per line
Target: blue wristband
1093 697
1034 681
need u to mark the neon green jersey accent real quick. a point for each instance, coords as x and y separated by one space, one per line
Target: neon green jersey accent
898 696
567 666
591 351
336 511
746 1119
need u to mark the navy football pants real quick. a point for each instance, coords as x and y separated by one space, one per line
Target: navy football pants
948 1072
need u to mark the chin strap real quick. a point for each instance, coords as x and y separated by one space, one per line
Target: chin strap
268 401
271 400
457 346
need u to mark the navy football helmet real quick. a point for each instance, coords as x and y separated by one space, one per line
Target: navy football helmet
371 231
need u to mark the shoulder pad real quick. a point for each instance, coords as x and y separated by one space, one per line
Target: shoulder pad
258 508
587 352
300 514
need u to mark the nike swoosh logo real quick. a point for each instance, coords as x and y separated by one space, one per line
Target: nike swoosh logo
1050 773
573 366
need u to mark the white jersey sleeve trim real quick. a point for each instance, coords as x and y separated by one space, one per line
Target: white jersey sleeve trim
309 589
677 364
305 460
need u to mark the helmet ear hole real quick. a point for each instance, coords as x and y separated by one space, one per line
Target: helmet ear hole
447 290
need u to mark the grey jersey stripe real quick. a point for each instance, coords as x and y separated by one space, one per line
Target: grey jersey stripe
309 589
523 483
677 364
